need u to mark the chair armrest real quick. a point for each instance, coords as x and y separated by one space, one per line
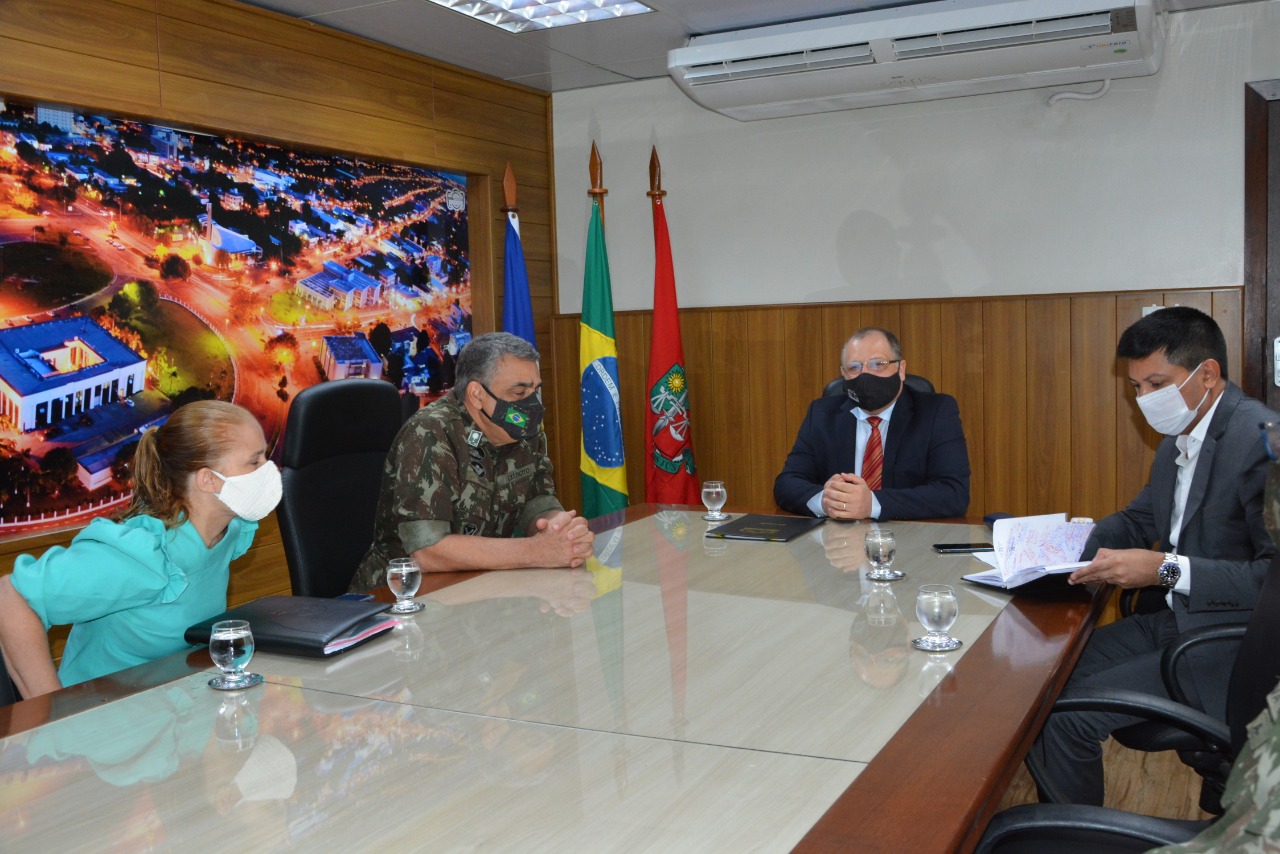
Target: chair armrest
1034 827
1189 640
1215 733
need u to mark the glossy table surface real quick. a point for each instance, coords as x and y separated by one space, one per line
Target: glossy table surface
684 694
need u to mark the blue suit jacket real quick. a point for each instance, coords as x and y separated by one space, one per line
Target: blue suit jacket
926 460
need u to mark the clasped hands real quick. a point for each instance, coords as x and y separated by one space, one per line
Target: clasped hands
846 497
562 538
1127 568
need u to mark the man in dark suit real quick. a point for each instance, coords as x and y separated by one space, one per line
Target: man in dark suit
882 450
1195 532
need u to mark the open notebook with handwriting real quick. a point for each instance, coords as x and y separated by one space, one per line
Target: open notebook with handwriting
1031 547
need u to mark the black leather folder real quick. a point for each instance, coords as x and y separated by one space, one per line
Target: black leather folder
303 625
765 528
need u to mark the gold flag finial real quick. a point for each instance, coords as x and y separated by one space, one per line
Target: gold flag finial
597 191
655 176
509 190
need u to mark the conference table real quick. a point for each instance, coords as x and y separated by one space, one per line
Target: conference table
683 693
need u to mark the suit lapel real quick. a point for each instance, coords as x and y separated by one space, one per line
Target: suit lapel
1204 460
903 412
846 438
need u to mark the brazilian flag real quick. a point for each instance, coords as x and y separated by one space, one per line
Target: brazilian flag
604 477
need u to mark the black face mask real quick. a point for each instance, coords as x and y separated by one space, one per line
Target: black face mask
871 392
520 418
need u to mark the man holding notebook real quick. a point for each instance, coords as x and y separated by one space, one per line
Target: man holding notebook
1195 532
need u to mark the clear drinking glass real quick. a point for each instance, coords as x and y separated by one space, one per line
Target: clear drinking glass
882 548
404 577
937 610
714 495
231 647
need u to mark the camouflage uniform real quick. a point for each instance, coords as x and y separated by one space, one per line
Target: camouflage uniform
434 484
1252 796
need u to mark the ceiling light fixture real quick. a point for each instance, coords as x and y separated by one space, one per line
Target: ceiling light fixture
518 16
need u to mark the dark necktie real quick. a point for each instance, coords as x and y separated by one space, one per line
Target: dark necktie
873 455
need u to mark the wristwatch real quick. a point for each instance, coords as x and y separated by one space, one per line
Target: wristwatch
1170 571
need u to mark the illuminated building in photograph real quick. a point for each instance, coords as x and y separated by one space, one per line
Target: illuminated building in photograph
350 356
60 369
336 287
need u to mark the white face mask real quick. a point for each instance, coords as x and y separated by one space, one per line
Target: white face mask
1166 411
252 496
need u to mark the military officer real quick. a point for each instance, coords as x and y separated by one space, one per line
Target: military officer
468 484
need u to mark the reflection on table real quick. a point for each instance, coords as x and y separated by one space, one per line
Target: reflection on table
668 696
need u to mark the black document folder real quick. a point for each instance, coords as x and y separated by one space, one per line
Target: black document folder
761 526
303 625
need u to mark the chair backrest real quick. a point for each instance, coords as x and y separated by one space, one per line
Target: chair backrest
335 443
8 692
915 381
1257 665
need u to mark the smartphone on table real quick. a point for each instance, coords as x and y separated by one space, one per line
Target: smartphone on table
961 548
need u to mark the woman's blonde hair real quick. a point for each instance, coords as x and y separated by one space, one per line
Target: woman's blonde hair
196 436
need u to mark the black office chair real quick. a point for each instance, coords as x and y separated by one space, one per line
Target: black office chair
914 381
1040 828
408 406
8 691
1211 761
335 442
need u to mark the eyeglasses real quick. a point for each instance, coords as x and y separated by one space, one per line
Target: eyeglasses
875 366
1271 438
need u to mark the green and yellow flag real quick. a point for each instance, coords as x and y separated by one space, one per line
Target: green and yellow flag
604 477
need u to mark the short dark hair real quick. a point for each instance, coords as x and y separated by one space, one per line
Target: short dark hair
479 359
1187 336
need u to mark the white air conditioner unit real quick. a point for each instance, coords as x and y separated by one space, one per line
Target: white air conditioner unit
917 53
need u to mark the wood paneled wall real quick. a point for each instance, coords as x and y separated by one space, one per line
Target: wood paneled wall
219 65
1047 409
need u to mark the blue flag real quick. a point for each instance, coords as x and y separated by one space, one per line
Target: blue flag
517 310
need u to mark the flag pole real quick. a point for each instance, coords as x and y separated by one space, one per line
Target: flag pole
597 191
670 473
509 191
517 307
603 471
655 176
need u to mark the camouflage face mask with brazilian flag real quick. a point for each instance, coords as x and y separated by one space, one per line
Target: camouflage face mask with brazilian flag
520 418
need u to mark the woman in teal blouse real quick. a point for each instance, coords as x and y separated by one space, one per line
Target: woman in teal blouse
131 588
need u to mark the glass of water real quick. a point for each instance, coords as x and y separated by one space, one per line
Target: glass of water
882 548
404 577
714 495
937 610
231 647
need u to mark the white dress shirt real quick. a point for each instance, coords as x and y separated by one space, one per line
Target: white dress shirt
1189 454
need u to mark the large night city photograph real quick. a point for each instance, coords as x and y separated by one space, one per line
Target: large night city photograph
142 267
